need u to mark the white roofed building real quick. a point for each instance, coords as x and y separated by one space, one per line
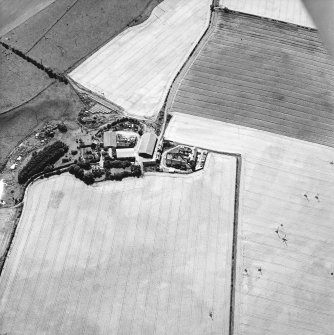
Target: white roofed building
147 145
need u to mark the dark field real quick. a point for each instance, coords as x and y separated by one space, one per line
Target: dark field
266 75
14 12
19 80
58 102
69 30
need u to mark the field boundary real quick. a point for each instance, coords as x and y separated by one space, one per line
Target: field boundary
27 101
142 17
51 27
238 158
180 75
12 235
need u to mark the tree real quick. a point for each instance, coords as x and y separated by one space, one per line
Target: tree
88 178
62 127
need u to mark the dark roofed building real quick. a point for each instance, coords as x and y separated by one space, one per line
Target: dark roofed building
109 139
147 145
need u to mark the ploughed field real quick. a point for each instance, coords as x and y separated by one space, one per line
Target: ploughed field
142 256
135 69
266 75
285 268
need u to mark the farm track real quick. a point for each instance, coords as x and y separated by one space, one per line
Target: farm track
281 82
135 70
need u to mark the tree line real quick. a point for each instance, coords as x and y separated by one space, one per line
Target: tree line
41 160
50 72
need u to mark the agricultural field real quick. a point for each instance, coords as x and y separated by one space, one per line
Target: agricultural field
136 69
292 11
20 80
285 268
57 102
141 256
7 222
68 30
15 12
268 75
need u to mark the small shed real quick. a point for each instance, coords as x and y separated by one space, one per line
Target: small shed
126 154
109 139
147 145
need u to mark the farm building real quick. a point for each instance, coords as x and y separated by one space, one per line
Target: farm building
109 139
175 160
147 145
125 141
127 153
111 152
85 141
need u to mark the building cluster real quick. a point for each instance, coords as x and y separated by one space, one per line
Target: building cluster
117 145
112 139
184 158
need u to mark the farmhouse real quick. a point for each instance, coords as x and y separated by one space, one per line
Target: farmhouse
176 161
147 145
109 139
128 154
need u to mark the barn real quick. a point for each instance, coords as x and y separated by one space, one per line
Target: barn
147 145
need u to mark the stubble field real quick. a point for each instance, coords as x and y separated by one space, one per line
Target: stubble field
135 69
267 75
285 270
144 256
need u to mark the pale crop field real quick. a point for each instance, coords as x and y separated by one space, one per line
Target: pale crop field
285 267
292 11
142 256
136 69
